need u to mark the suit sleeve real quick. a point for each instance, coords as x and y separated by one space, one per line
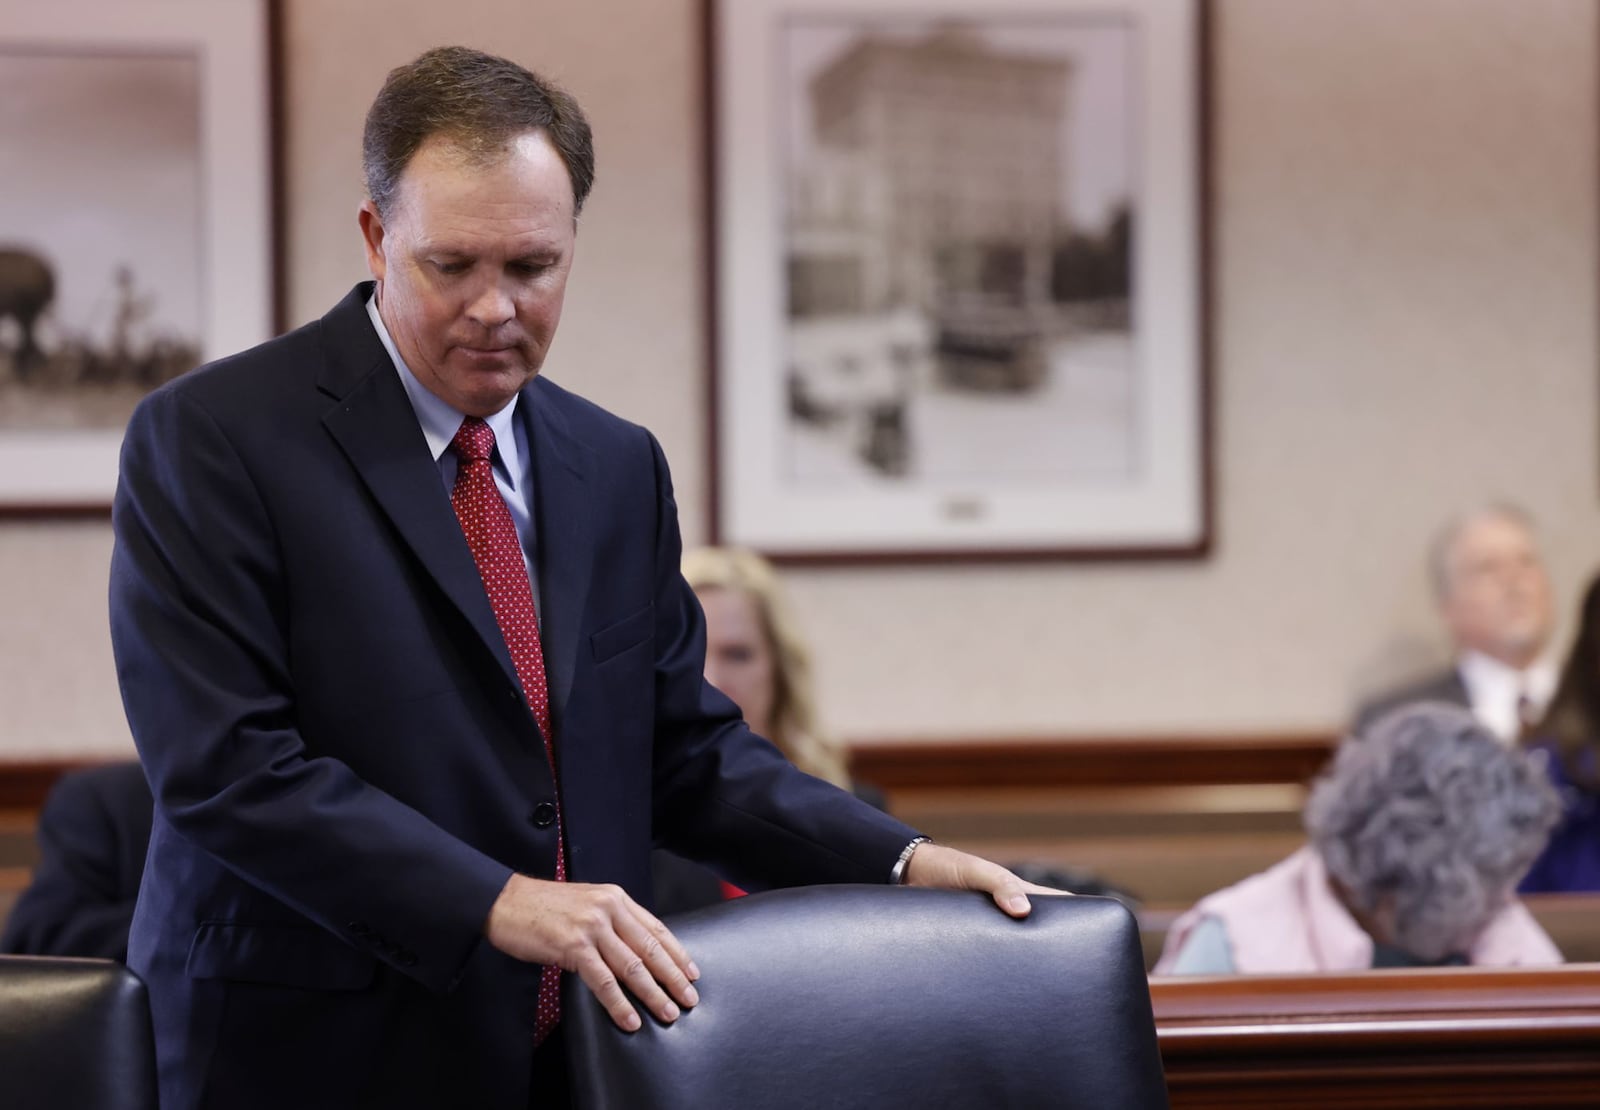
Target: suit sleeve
724 795
79 902
198 602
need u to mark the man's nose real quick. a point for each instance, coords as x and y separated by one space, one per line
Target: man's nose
492 306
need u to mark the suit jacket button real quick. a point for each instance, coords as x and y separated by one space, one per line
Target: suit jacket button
543 815
406 958
360 928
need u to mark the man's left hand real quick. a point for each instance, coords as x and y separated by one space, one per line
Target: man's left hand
935 865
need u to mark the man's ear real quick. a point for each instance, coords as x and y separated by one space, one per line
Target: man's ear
372 237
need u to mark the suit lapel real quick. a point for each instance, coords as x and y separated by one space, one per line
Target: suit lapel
564 505
377 429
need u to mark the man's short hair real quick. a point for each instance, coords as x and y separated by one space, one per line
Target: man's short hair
1443 547
481 104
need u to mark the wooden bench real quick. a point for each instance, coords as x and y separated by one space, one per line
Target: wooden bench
13 881
1454 1037
17 847
1169 819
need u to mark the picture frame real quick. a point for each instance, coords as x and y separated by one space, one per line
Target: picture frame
140 240
958 300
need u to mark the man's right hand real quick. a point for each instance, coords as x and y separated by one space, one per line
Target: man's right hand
602 936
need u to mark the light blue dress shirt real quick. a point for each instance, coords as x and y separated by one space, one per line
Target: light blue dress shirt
513 459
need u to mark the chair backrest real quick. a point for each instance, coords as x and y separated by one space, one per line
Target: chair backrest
74 1033
883 997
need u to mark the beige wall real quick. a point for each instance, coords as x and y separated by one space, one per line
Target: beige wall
1405 255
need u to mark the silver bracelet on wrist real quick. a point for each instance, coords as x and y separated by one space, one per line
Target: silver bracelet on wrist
897 877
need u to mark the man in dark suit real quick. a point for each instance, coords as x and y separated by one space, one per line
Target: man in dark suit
92 835
413 674
1494 597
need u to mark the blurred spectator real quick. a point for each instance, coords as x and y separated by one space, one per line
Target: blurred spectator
1494 597
1418 834
1570 740
93 831
755 655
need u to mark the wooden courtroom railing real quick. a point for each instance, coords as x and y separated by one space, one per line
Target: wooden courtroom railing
1454 1037
13 880
1168 818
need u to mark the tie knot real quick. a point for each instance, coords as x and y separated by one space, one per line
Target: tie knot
474 440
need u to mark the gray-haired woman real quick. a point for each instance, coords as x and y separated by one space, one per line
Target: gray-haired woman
1418 834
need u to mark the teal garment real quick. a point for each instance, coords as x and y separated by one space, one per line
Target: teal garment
1207 951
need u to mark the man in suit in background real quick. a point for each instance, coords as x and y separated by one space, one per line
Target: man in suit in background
412 671
1494 597
92 835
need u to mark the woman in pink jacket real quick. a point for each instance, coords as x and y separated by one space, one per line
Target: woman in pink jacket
1418 835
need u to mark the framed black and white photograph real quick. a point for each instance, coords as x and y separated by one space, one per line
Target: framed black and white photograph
135 221
958 278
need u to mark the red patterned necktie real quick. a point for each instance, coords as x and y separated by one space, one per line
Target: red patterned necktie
497 551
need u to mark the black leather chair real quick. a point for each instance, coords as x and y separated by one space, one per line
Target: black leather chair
885 997
74 1033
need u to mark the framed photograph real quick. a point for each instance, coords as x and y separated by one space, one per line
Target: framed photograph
957 278
136 221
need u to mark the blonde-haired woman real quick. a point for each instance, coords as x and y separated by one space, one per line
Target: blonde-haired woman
755 655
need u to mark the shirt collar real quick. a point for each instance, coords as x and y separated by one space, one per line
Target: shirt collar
438 420
1484 672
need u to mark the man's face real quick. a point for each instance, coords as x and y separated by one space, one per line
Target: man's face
1498 599
472 266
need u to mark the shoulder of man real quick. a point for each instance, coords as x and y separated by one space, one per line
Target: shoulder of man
121 791
243 383
1444 685
579 412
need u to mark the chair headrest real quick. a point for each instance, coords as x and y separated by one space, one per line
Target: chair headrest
878 996
74 1033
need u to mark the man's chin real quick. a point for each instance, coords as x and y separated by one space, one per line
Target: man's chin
507 360
489 381
1524 644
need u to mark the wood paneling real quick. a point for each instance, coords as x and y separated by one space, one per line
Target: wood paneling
13 881
1086 761
23 785
1015 764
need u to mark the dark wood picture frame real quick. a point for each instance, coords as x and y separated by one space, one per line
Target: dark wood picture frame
1167 512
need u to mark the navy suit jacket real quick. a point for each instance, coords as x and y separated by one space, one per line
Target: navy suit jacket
345 771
